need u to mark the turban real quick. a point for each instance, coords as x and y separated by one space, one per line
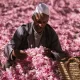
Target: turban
42 8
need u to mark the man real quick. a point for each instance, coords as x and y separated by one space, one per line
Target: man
33 35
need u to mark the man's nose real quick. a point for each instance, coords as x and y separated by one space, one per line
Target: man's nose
41 24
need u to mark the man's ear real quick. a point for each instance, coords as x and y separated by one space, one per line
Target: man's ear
36 16
33 17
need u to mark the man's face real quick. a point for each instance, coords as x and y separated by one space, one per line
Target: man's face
40 23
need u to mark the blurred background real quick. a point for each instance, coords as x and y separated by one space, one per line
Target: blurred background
64 18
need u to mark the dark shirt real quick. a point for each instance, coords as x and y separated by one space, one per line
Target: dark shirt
24 39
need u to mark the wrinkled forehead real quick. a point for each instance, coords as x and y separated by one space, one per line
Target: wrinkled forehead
41 16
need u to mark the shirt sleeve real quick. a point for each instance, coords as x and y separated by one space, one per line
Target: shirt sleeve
14 43
56 47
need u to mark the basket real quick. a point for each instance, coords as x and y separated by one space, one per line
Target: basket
70 69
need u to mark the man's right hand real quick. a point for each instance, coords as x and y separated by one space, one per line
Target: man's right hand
19 54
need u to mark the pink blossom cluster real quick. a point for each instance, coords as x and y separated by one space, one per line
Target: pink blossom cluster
36 66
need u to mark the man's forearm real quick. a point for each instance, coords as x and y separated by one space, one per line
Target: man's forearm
20 54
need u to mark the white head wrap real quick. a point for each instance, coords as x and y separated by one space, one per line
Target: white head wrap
42 8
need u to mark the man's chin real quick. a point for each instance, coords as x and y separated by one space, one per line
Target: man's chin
40 31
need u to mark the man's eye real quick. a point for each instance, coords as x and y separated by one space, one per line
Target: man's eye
39 22
45 22
42 22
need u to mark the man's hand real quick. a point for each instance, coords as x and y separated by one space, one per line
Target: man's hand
20 54
48 53
47 50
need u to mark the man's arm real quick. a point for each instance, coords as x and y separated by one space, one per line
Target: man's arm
11 49
56 49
